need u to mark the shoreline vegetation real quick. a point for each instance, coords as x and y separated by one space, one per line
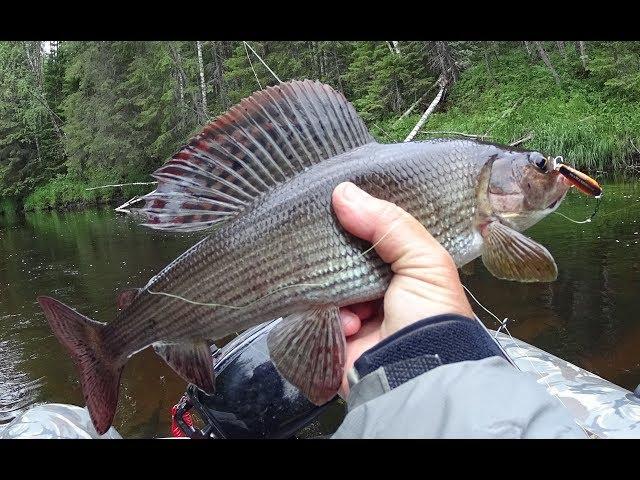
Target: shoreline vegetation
78 115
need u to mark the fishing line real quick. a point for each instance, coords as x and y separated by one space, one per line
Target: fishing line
235 307
614 212
503 324
279 289
588 220
579 180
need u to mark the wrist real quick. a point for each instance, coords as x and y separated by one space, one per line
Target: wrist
418 348
392 325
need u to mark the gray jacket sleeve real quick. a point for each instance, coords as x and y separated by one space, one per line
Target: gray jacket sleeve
445 378
486 398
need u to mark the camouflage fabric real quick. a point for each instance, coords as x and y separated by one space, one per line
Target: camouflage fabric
602 408
54 420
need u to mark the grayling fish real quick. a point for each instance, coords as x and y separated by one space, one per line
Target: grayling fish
263 174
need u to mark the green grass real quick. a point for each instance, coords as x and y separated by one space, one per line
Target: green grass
58 193
8 210
7 207
581 120
65 191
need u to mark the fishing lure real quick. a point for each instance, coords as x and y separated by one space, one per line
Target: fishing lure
578 179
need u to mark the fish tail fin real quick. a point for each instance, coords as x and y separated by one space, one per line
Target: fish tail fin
99 368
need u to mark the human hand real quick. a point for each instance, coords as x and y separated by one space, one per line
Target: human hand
425 282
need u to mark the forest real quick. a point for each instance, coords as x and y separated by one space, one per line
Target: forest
76 115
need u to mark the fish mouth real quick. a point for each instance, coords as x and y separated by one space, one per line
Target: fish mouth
555 203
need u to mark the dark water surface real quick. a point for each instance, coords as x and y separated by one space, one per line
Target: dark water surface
589 316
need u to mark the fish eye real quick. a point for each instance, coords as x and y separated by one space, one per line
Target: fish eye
539 161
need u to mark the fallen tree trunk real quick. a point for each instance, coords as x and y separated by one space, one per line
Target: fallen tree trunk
414 105
426 114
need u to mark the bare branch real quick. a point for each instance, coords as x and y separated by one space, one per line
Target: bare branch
432 132
526 138
384 132
123 208
122 185
260 58
251 63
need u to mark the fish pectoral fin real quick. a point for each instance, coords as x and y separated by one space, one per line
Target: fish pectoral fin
192 361
309 351
510 255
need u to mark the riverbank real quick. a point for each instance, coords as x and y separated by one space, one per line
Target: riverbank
594 126
68 194
592 122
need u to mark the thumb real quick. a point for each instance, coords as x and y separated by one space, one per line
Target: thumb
426 277
398 237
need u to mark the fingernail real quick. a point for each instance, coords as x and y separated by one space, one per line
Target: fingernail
352 193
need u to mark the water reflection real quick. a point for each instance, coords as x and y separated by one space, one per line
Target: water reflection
588 316
84 259
590 311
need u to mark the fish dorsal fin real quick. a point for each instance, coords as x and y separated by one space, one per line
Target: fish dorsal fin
258 144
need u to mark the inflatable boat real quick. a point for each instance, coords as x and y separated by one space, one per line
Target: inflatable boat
601 408
253 401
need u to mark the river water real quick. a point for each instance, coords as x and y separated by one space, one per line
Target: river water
589 316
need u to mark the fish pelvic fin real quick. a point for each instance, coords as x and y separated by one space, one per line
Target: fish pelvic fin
191 360
309 351
99 369
510 255
256 145
126 297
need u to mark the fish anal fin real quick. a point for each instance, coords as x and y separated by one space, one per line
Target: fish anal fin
259 143
191 360
309 351
510 255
